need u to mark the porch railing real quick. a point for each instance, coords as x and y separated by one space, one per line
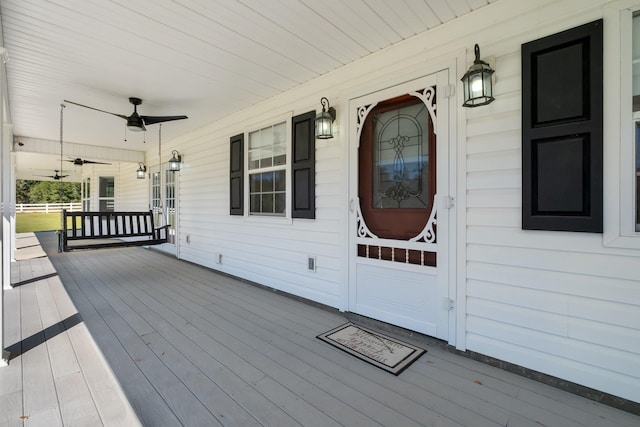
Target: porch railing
47 207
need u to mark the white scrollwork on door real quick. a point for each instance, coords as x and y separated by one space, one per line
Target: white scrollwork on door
428 97
362 114
362 229
428 233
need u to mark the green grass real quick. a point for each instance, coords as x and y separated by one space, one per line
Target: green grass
28 222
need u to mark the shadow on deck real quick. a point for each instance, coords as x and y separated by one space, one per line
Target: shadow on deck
192 347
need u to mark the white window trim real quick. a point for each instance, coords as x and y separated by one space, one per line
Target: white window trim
269 219
619 150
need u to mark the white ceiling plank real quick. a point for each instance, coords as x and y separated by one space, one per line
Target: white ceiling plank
477 4
442 9
303 23
353 24
266 35
396 16
203 58
422 11
459 7
207 37
171 47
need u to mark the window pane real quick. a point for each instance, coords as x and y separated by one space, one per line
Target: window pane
107 186
279 144
268 147
254 203
280 180
401 158
254 183
268 193
266 137
254 140
280 203
267 203
267 182
267 159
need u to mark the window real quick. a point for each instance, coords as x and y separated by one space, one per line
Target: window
401 175
106 199
267 165
170 203
156 202
86 194
622 125
279 167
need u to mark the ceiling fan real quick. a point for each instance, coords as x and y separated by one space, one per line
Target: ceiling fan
79 162
55 177
135 121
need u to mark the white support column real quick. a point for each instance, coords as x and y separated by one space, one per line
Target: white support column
5 197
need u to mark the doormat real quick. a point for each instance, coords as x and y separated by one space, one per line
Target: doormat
379 350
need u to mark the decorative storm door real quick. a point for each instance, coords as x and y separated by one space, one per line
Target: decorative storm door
398 256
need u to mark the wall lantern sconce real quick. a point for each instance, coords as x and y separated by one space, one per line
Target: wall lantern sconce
477 84
174 163
142 171
324 120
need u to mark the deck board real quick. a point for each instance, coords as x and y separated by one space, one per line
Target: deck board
56 373
192 347
40 400
11 398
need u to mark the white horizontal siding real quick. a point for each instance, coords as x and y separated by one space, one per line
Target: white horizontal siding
132 193
556 302
269 251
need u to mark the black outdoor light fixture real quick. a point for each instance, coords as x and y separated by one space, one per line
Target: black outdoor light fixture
325 119
141 172
174 163
477 84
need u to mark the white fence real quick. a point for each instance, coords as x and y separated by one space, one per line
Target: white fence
47 207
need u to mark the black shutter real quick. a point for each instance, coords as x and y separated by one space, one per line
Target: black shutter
303 168
562 131
236 175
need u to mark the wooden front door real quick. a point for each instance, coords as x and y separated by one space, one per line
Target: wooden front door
398 257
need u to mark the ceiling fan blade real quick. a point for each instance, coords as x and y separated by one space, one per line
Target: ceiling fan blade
94 163
122 116
79 162
151 120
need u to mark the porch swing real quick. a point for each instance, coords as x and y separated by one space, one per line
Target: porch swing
95 230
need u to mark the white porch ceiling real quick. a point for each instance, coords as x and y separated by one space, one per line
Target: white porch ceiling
202 58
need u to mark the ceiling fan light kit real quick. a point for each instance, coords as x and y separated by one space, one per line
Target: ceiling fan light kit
134 122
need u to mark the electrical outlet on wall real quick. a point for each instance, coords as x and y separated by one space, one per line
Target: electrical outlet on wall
188 238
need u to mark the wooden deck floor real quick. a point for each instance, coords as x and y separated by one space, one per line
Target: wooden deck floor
190 347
